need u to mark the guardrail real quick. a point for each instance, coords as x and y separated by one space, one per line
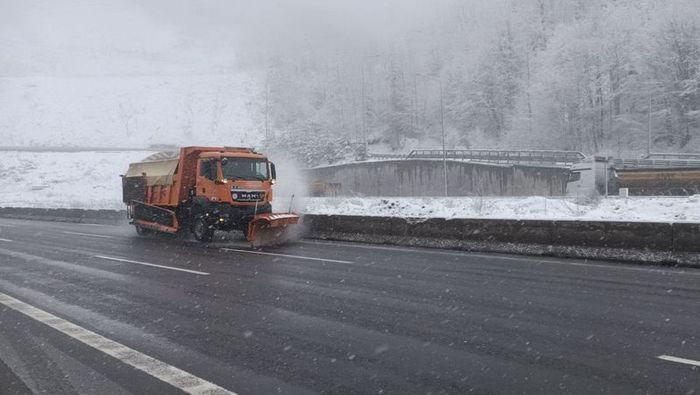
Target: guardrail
497 156
655 164
672 155
65 215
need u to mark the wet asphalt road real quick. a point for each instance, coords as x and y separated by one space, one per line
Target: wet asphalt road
337 317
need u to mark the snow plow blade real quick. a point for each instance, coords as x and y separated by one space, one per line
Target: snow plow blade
271 229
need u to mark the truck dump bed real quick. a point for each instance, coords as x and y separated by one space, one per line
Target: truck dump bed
165 178
152 180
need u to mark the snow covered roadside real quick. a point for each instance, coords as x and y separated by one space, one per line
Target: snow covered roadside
85 180
90 180
633 209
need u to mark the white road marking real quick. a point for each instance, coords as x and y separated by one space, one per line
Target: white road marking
497 256
87 234
6 240
109 258
679 360
162 371
286 255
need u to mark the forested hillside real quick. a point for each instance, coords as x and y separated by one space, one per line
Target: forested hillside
585 75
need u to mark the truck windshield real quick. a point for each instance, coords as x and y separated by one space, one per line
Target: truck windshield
244 169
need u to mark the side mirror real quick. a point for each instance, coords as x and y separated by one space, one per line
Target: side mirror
273 172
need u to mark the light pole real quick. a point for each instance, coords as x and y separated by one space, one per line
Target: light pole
650 95
649 129
364 105
442 126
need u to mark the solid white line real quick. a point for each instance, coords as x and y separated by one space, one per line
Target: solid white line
87 234
679 360
109 258
6 240
167 373
496 255
285 255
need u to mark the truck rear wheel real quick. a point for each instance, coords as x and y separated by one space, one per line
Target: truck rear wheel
141 231
201 230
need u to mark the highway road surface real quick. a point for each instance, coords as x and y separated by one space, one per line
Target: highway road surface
96 309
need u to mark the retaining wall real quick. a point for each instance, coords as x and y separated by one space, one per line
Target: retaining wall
426 178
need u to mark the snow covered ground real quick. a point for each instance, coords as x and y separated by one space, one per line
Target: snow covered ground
637 209
91 180
64 180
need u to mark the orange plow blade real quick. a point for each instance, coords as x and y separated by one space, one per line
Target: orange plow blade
271 229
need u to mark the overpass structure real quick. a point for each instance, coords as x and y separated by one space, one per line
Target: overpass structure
425 177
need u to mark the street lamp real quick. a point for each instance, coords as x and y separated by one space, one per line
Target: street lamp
442 125
364 105
649 114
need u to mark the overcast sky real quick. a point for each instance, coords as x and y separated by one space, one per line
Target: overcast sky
88 37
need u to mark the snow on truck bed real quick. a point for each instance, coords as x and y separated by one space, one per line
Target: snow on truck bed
91 180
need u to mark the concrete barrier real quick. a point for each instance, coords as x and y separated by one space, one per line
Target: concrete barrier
65 215
686 237
665 243
627 241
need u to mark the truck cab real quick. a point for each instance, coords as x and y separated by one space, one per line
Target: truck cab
236 179
232 186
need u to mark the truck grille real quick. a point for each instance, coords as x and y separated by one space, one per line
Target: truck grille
247 196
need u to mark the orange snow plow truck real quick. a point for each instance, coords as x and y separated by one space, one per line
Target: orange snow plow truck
203 189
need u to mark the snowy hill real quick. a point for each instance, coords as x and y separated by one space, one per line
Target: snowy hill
64 180
128 110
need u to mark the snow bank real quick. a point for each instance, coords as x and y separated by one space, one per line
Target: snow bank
637 209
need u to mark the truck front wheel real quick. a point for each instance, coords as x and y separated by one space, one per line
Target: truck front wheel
141 231
201 230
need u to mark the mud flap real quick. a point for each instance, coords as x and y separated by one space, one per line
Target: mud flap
271 229
153 217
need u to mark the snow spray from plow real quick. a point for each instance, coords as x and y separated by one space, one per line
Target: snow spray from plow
272 229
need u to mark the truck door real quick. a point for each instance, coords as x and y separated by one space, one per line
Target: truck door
206 177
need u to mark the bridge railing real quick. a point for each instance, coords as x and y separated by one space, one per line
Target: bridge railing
494 156
654 163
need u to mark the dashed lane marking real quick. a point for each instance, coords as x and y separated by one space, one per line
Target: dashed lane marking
160 370
88 234
6 240
286 255
467 254
679 360
110 258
